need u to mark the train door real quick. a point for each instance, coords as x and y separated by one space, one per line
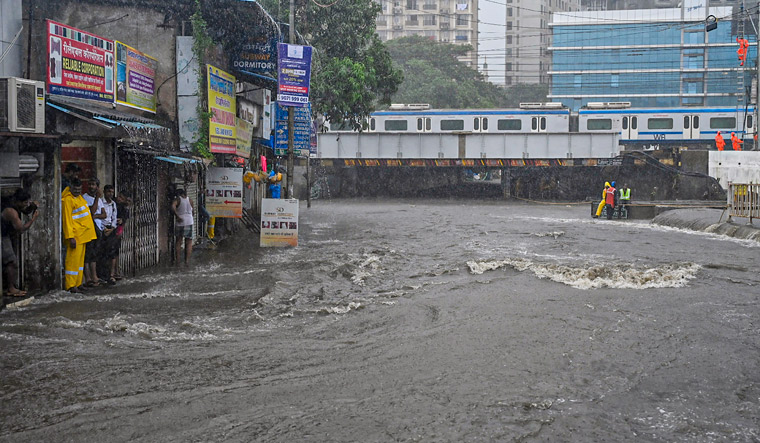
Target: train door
538 124
691 129
424 124
630 127
480 124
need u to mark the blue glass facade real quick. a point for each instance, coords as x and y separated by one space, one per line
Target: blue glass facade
648 65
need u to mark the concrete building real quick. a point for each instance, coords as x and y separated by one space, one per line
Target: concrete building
527 35
650 57
606 5
447 21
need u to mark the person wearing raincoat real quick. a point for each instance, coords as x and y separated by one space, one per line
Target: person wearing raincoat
735 142
719 142
78 230
600 208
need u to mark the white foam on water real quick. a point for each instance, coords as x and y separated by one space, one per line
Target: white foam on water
595 276
555 234
118 324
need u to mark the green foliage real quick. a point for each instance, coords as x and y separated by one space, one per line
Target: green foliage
201 42
434 74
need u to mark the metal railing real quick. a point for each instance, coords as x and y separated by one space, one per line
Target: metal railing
744 200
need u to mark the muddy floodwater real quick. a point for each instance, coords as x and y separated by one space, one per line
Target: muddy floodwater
405 320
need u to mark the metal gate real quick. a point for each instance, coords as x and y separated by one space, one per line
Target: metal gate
137 175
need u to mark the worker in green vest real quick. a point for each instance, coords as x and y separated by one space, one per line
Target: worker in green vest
625 200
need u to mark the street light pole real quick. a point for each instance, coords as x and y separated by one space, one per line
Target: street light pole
291 40
757 78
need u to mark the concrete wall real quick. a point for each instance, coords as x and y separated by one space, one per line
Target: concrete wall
735 167
140 28
10 23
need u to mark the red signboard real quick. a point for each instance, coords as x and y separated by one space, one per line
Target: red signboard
79 64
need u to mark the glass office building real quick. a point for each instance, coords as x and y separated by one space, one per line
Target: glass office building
651 58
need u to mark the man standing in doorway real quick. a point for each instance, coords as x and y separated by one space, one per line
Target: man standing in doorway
93 197
108 243
183 210
78 229
12 226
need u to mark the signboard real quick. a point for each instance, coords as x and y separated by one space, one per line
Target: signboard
294 74
259 55
279 222
302 130
79 64
135 78
244 134
224 192
221 105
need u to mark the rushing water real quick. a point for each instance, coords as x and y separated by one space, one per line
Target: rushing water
405 321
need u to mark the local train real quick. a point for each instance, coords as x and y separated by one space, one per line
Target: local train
687 124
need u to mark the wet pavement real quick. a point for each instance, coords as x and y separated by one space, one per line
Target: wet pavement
406 320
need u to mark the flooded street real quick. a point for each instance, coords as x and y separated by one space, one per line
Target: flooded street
404 320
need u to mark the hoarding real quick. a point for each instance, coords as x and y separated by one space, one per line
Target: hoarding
135 78
80 64
221 105
224 192
244 133
294 68
279 222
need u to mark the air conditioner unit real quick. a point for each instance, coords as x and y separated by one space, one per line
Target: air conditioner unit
22 105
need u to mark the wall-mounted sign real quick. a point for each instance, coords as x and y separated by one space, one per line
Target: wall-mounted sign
259 55
279 222
79 64
221 105
244 134
294 68
135 78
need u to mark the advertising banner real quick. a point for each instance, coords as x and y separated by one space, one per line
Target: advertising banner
302 130
244 133
279 222
221 105
224 192
80 64
294 69
135 78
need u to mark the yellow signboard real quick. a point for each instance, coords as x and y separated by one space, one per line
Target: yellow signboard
221 104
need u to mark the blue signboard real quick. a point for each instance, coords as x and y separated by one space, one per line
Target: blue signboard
294 74
302 130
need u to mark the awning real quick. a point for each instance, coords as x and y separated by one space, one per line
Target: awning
176 160
132 129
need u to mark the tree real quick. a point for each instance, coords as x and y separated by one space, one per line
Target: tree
352 72
434 74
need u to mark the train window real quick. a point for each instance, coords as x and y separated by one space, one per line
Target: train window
476 123
427 124
395 125
634 123
419 124
485 124
534 123
625 123
660 123
543 123
452 125
749 121
372 124
598 124
343 125
696 122
509 125
686 121
722 123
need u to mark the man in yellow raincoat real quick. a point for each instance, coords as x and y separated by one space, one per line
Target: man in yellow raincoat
78 230
603 202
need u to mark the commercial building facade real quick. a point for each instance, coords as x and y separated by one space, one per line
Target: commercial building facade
651 58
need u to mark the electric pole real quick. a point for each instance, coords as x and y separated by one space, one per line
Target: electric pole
291 41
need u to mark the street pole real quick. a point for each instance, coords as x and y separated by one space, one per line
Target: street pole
757 78
291 40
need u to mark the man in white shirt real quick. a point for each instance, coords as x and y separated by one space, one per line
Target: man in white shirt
92 250
109 248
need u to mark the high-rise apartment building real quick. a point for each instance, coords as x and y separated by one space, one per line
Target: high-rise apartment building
605 5
448 21
527 35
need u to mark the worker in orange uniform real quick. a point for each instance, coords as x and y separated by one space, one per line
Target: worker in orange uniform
78 230
742 51
735 142
719 142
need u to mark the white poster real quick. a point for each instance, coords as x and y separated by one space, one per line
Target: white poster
224 192
279 222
